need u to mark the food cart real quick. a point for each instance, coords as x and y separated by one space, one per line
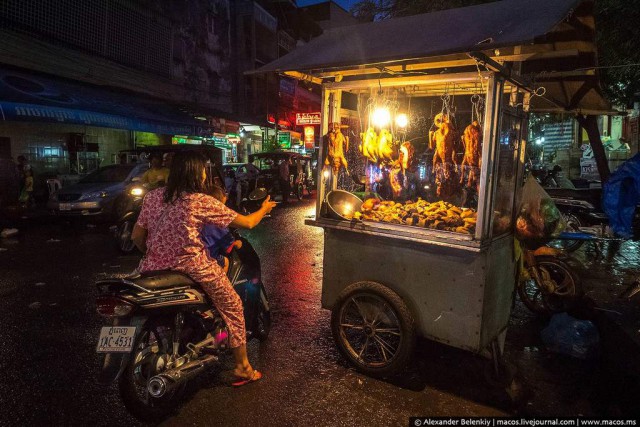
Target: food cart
433 253
425 127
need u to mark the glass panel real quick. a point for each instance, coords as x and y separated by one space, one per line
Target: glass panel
511 134
412 154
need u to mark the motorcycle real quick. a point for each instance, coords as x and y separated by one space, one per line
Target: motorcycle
162 331
129 209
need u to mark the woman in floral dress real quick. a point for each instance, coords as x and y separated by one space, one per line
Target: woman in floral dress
168 232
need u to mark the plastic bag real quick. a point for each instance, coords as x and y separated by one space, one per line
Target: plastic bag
573 337
538 217
621 196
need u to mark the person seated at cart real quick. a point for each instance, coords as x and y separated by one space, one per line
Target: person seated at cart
157 175
218 240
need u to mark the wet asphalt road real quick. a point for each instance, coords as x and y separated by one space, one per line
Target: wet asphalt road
49 332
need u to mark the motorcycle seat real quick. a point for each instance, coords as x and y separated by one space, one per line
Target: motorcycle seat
164 279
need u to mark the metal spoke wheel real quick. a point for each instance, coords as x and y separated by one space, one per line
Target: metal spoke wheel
125 244
558 290
373 329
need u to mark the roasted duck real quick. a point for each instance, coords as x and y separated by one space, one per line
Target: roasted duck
443 140
472 141
385 146
406 156
338 143
369 146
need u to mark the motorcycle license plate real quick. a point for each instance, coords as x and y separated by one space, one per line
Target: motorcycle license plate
116 339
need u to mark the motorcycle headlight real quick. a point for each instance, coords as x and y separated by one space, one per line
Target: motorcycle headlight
94 195
136 191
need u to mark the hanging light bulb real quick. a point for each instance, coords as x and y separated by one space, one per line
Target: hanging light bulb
402 120
381 117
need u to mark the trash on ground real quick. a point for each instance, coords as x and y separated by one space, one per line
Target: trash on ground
573 337
40 284
53 240
8 232
35 305
3 249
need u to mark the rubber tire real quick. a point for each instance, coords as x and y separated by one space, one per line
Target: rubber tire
132 248
407 327
263 333
300 191
540 259
129 397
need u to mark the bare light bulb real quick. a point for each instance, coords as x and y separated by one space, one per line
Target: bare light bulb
381 117
402 120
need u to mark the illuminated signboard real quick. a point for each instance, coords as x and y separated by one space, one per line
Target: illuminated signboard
309 137
303 119
284 140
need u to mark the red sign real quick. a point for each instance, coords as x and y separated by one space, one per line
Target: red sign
309 137
307 119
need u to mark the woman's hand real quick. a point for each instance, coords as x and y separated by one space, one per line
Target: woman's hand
268 205
251 220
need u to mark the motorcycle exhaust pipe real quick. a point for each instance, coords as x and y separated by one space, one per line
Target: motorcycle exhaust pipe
168 381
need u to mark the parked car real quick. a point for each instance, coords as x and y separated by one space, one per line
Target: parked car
96 193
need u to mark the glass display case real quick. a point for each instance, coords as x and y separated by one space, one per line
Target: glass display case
435 156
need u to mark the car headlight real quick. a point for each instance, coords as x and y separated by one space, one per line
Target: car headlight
136 191
94 195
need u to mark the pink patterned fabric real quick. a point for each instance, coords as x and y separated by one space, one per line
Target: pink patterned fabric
174 243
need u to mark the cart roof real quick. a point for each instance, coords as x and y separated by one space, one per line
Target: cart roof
490 25
553 39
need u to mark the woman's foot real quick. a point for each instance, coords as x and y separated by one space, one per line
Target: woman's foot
246 376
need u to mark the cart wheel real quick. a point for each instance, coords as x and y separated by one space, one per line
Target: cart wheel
560 290
373 329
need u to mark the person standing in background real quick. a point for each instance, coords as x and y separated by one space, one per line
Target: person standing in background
284 180
157 175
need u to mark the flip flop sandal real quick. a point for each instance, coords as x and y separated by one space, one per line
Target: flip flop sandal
257 375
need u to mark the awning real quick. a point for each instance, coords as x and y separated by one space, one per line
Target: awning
555 36
467 29
26 96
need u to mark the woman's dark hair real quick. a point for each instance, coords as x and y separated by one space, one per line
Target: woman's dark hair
185 175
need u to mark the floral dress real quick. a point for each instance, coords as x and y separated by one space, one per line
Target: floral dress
174 243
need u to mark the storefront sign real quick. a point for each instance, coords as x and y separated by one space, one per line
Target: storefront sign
284 140
589 169
307 119
309 137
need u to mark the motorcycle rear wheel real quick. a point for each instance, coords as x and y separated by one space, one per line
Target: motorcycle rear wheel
146 360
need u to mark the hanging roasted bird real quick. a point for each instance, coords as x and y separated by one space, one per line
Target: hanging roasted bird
443 140
406 156
385 146
338 143
472 160
369 145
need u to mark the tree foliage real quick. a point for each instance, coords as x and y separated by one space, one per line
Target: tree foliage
618 39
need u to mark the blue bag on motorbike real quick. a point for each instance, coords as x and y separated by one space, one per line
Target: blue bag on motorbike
621 196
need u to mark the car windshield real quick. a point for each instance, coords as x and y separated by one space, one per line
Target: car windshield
115 173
